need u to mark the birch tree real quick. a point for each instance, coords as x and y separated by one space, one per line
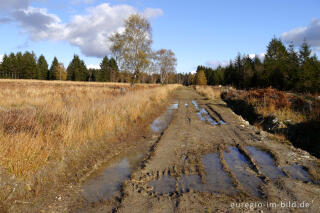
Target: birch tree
167 63
132 48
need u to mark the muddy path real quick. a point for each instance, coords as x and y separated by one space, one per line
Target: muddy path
209 159
201 157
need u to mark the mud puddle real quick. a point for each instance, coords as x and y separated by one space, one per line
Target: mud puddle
270 170
298 172
266 163
242 169
106 182
203 114
217 180
195 104
163 121
166 185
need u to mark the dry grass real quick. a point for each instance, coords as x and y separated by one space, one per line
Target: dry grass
42 122
209 92
271 102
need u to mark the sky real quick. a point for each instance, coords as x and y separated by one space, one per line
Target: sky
202 32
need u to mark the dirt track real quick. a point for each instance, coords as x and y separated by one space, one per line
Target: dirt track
207 161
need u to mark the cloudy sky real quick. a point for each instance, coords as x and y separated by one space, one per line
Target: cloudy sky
206 32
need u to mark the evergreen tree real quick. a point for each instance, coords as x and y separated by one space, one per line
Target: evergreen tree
29 66
293 68
257 79
114 70
304 52
42 68
104 74
52 74
276 72
77 70
4 71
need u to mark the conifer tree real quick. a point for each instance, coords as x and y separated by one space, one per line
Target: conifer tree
52 74
77 70
304 52
104 74
114 70
42 68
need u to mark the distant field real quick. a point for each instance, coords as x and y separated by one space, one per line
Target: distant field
47 121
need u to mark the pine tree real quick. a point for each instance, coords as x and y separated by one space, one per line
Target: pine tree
114 70
52 74
77 70
104 70
42 68
309 69
293 67
304 52
276 72
29 66
4 67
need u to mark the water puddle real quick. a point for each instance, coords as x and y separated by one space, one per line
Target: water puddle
242 170
165 185
217 180
163 121
106 182
191 182
203 114
222 122
196 105
173 106
265 162
298 172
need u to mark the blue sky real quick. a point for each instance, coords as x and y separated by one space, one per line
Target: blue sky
200 32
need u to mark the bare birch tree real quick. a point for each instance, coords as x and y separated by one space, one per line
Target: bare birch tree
167 63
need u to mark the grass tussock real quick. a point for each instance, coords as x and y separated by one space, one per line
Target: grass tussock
42 122
209 92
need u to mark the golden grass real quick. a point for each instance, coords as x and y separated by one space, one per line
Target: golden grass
42 121
209 92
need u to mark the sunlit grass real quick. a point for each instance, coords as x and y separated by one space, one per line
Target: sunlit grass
209 91
43 121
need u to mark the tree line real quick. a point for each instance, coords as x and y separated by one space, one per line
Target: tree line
28 66
133 61
284 68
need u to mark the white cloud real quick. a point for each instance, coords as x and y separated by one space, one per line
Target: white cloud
215 63
83 1
311 33
93 66
260 56
152 12
40 24
8 5
89 32
1 57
